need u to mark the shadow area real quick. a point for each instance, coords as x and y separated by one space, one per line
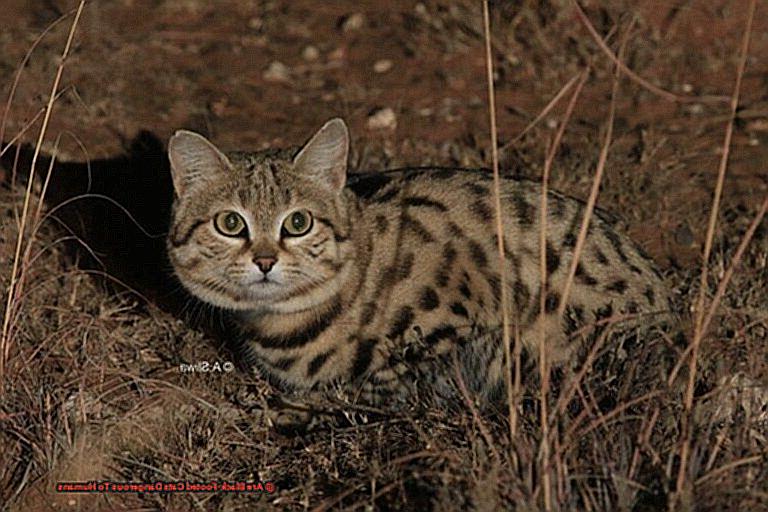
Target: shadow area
119 208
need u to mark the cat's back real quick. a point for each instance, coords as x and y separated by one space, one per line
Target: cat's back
445 219
459 202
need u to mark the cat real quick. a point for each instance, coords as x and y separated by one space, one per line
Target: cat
370 285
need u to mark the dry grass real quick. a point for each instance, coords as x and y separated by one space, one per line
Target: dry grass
699 332
91 387
506 339
14 288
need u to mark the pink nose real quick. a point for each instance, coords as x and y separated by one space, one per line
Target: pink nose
265 264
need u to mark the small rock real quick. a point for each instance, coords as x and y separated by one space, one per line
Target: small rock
354 21
382 119
512 59
219 106
256 23
382 66
310 53
277 72
425 112
338 54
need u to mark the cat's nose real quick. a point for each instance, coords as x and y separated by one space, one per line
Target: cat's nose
265 264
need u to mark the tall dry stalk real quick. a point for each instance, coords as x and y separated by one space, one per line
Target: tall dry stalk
592 199
617 61
580 241
13 289
543 363
698 332
505 333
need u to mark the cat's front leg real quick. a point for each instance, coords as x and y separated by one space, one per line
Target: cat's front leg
406 380
298 412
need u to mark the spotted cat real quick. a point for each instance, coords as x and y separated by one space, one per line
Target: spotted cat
368 283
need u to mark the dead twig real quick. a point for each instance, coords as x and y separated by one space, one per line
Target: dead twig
543 363
698 332
634 76
12 289
505 336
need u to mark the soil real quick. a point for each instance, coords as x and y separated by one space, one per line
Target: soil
410 80
161 66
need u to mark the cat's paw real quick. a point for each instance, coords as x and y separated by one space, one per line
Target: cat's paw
292 418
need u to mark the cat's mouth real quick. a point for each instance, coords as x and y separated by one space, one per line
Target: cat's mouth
263 281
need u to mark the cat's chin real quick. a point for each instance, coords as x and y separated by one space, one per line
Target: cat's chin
252 298
242 303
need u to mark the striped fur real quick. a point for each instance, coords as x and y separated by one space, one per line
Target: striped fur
398 269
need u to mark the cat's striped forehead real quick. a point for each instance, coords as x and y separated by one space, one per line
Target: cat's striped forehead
265 180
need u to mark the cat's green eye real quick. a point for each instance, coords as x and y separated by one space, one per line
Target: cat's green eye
229 223
297 223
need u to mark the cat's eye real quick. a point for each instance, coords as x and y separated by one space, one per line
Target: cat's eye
229 223
297 223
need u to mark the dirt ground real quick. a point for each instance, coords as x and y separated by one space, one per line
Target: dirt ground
92 387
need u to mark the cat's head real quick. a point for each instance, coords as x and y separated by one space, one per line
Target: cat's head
251 230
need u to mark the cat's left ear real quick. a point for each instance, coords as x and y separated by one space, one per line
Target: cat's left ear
324 157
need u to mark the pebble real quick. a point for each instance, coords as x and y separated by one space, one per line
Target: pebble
277 72
338 54
382 65
425 112
310 53
256 23
219 106
382 119
354 21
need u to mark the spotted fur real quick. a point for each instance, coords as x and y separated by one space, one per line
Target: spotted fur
398 269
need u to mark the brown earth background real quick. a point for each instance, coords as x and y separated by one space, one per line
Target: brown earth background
91 388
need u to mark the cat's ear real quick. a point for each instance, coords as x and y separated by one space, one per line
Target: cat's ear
194 159
324 157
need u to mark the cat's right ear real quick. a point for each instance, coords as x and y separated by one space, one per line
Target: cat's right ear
193 159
